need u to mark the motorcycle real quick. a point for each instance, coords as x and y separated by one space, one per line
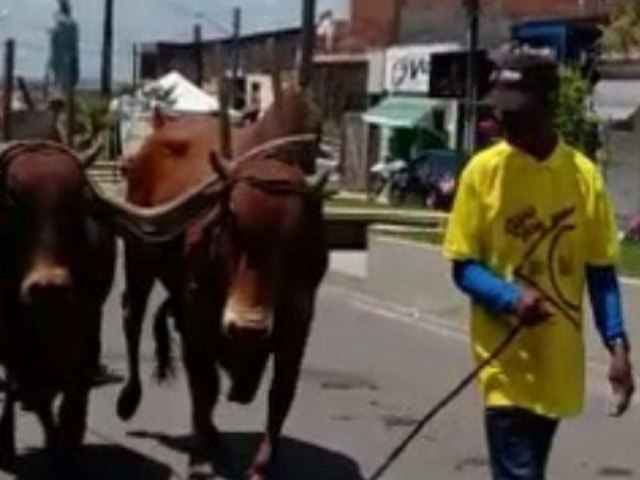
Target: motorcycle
430 179
632 230
381 174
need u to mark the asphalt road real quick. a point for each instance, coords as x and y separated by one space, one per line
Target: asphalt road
371 370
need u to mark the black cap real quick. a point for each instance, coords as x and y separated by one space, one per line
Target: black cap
522 80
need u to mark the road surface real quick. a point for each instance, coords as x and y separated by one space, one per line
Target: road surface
372 369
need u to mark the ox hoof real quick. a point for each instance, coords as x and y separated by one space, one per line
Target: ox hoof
205 442
262 462
255 475
129 401
7 454
7 459
201 470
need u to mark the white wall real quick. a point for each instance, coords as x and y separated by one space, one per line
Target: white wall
623 170
266 90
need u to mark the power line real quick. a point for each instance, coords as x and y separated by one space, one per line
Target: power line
198 15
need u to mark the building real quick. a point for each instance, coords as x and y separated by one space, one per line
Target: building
406 120
386 22
257 53
616 103
372 25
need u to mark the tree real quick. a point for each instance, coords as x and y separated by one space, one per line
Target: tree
622 35
577 125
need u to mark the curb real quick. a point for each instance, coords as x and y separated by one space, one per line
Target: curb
345 280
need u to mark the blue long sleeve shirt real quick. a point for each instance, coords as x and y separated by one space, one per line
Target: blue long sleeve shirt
501 297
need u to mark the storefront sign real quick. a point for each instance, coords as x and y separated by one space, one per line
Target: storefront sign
407 68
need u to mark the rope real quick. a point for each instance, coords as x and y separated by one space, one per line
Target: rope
445 402
275 145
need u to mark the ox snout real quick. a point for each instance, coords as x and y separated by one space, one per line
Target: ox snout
45 281
252 321
248 335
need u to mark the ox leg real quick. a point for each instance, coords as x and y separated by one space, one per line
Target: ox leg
72 419
173 307
73 410
203 379
135 299
292 325
44 412
7 428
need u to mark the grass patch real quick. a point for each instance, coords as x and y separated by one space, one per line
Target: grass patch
356 203
630 259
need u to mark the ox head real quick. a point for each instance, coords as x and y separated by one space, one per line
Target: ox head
43 219
263 246
265 216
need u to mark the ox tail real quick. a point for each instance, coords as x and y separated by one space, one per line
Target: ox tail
165 367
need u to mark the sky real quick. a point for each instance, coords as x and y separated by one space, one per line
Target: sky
137 21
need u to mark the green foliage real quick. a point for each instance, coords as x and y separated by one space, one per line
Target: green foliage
573 119
623 32
93 118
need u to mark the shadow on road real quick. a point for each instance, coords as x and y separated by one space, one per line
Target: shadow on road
298 460
103 462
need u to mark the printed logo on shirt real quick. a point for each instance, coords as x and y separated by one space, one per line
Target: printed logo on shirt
543 257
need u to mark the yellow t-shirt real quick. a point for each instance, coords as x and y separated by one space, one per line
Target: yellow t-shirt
539 224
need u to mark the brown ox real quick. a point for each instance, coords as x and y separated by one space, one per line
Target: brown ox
56 270
252 261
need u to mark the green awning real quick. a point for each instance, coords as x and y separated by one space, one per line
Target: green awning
402 112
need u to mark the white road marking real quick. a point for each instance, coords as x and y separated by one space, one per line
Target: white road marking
399 317
441 326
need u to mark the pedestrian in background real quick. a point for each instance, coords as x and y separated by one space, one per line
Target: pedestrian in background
532 225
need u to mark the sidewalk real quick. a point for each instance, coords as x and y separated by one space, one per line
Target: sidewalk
351 263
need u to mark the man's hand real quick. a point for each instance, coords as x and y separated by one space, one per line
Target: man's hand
621 380
532 309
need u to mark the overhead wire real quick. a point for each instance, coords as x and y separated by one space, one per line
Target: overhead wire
198 14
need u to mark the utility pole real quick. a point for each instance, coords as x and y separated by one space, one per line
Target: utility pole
7 91
276 73
473 14
107 49
26 94
235 66
199 54
134 67
70 104
307 43
227 86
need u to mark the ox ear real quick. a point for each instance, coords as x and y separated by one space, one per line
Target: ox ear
158 118
124 165
90 156
178 147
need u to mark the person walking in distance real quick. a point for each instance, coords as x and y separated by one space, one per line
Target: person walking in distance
531 227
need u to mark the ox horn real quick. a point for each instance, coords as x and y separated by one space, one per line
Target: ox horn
91 155
223 168
318 182
155 224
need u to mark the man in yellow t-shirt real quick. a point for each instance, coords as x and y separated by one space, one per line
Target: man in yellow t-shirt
531 227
